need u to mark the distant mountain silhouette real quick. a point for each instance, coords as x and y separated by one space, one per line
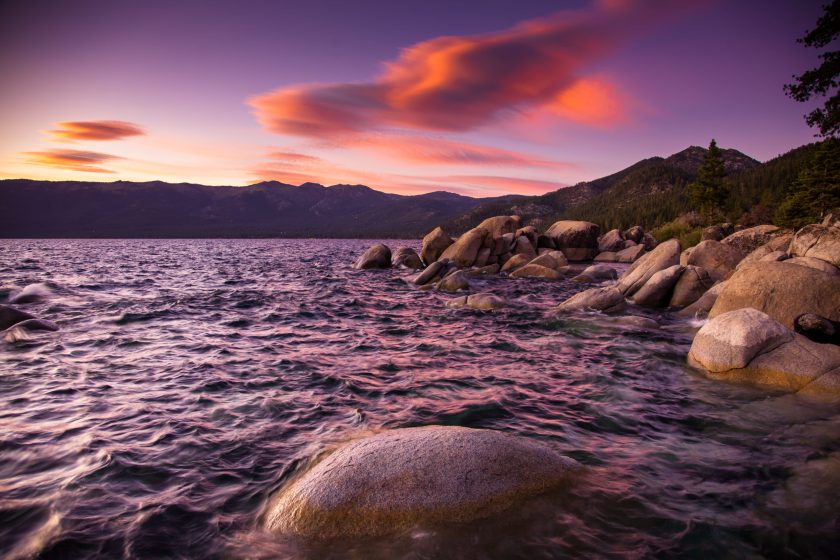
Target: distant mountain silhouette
648 192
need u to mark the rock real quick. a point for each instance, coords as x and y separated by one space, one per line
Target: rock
544 241
398 479
481 301
782 290
773 256
733 339
611 241
816 264
817 241
607 299
658 289
702 306
465 249
665 255
832 218
816 328
483 271
750 239
497 226
746 345
554 260
537 271
635 233
778 243
649 242
378 256
434 270
515 262
630 254
454 282
718 259
500 246
596 273
693 283
37 325
522 246
483 256
530 232
31 293
608 256
714 233
11 316
578 240
406 257
434 244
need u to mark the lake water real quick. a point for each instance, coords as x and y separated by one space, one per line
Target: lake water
190 378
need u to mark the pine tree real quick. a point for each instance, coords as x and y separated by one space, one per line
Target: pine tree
816 190
709 192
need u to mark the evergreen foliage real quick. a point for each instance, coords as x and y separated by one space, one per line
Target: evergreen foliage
709 192
815 190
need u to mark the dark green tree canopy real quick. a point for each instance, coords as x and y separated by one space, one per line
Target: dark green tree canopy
709 192
822 81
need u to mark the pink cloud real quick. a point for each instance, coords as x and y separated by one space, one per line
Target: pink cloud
460 83
75 160
95 130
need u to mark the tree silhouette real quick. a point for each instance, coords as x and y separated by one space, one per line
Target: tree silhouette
709 192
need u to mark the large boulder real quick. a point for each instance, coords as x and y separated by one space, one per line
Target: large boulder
635 233
658 289
578 240
497 226
482 302
378 256
607 299
433 272
715 233
537 271
596 273
406 257
812 262
11 316
782 290
779 243
748 346
465 249
399 479
611 241
718 259
693 283
748 240
434 244
661 257
453 282
555 260
523 246
817 241
607 256
630 254
515 262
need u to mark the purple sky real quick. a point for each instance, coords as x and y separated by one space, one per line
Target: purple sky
403 96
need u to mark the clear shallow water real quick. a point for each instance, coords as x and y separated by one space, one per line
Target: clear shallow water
191 378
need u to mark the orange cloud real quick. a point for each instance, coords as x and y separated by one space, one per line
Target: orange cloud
71 159
485 184
95 130
461 83
588 101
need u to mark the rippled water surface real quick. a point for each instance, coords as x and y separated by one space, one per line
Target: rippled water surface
191 378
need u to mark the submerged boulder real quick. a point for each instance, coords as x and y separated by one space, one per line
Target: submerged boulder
31 293
607 299
596 273
664 255
482 302
817 241
782 290
434 244
453 282
11 316
531 270
378 256
748 346
398 479
406 257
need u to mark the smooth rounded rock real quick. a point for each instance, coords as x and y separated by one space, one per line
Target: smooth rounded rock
607 299
552 259
611 241
658 289
398 479
577 239
454 282
717 259
692 284
11 316
500 225
750 239
817 241
664 255
406 257
465 249
378 256
537 271
434 244
515 262
481 301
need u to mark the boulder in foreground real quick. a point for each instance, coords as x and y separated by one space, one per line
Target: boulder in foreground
434 244
378 256
398 479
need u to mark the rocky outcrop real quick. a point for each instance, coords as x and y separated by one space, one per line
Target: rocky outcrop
750 239
578 240
817 241
607 299
782 290
665 255
748 346
465 249
778 243
434 244
378 256
718 259
658 289
481 302
406 257
399 479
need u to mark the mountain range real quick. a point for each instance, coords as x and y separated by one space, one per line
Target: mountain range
647 192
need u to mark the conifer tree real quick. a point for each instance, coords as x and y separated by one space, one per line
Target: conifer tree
816 190
709 192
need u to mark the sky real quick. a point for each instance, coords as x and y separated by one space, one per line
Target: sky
482 98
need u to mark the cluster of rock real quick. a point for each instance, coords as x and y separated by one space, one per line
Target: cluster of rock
624 246
16 324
